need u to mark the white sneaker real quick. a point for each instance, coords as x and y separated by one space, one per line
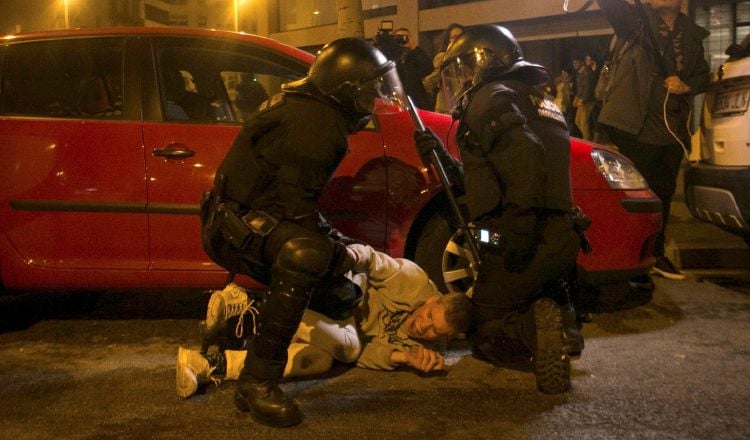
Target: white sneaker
663 267
192 370
231 301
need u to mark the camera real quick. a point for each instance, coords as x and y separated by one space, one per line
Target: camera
392 46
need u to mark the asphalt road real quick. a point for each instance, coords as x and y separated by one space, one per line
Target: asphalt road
101 366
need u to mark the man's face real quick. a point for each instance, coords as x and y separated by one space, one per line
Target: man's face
427 322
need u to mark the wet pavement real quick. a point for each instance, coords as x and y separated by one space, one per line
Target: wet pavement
672 366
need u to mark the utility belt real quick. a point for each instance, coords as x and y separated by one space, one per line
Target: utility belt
243 231
487 236
247 231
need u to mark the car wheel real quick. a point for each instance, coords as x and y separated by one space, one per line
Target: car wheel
444 255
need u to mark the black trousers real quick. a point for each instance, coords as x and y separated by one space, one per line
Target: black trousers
660 166
499 294
291 282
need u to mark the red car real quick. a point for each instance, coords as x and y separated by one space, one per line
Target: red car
109 136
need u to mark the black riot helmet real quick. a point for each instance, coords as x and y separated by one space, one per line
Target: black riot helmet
358 76
484 53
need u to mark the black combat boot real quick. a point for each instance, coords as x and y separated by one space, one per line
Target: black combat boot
265 401
257 387
542 331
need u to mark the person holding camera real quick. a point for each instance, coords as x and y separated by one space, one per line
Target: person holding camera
432 81
413 64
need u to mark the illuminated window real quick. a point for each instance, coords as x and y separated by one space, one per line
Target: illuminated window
300 14
728 23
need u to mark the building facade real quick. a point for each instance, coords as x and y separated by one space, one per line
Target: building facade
548 34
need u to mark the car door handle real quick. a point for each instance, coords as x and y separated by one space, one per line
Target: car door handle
174 151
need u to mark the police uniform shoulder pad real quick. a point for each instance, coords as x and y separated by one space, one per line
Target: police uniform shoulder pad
498 122
272 103
503 118
495 109
501 115
492 112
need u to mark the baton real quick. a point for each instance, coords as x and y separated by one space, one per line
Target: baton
438 165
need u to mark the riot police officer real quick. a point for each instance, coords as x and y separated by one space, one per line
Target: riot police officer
262 219
515 148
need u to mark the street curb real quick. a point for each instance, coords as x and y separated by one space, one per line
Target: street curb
707 258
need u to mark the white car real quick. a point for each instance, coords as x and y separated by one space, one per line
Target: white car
717 188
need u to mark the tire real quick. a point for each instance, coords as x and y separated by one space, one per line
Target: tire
441 252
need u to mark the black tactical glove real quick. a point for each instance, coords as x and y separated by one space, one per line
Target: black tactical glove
427 142
342 261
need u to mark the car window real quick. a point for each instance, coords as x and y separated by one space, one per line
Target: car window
77 78
214 85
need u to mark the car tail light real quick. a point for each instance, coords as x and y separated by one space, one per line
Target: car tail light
618 171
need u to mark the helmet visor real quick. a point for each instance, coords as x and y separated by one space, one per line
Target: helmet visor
382 95
459 74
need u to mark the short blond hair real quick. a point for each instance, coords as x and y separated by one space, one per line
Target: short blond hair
457 308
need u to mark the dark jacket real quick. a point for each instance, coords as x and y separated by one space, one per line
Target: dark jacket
412 67
275 165
634 101
516 150
585 84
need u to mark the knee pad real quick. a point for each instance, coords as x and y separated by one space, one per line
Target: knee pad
306 257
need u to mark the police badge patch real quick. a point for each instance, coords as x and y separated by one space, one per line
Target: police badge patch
546 108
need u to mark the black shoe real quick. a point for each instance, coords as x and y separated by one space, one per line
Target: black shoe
551 359
642 282
266 402
665 268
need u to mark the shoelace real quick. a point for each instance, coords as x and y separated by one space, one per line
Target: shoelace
253 312
214 379
235 308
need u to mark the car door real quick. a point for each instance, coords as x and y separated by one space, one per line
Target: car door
202 91
355 201
198 95
73 194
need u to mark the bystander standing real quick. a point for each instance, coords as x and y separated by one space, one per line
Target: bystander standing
413 65
584 98
658 64
432 81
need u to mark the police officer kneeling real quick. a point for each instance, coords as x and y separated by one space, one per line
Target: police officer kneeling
261 218
515 148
